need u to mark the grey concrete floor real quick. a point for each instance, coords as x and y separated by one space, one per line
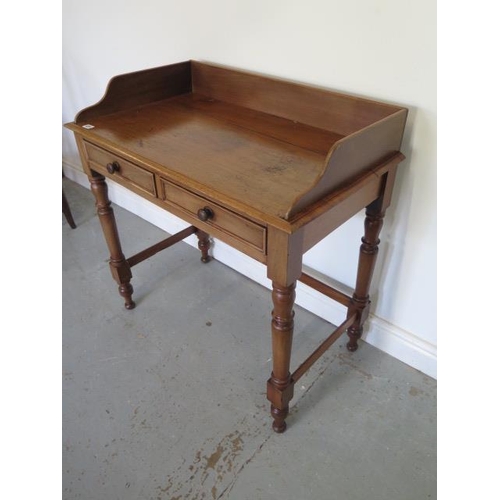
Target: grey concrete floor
167 401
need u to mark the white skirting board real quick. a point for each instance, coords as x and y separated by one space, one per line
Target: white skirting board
389 338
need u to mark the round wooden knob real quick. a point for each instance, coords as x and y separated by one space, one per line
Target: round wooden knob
113 167
205 213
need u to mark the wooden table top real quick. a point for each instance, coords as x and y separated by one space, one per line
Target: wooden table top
258 159
264 147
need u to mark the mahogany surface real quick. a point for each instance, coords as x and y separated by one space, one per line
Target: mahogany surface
190 144
268 166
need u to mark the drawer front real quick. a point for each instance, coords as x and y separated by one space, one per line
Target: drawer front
119 169
235 226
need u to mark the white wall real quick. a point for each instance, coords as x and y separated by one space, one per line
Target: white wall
381 49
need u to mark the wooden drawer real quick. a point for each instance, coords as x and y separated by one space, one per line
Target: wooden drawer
119 169
235 228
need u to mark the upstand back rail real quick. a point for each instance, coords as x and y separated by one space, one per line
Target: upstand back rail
267 166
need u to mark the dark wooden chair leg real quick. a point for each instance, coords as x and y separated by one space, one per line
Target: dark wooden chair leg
360 302
203 245
280 385
67 211
120 269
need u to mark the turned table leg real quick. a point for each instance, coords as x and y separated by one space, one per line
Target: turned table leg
368 251
280 386
67 212
120 269
203 245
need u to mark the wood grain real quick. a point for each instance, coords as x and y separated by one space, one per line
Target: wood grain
125 173
260 171
266 146
234 224
289 131
139 88
352 156
324 109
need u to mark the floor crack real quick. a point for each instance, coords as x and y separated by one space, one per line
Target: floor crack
229 487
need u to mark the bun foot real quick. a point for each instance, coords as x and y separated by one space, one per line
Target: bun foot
203 245
279 429
126 292
352 346
354 333
279 424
